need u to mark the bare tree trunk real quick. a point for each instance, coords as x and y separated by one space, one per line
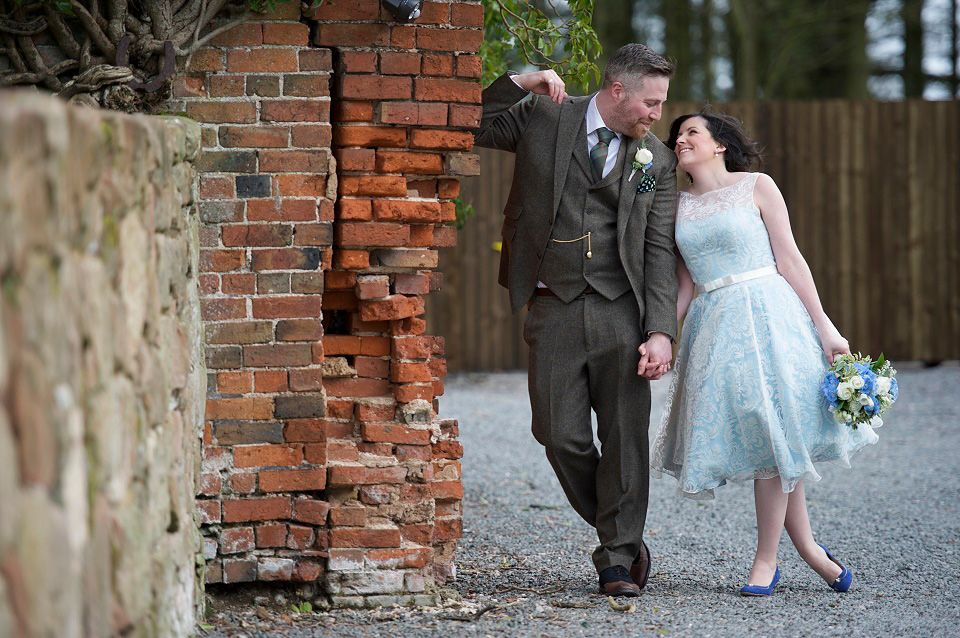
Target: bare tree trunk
743 47
678 15
912 73
613 22
707 48
954 52
845 66
857 60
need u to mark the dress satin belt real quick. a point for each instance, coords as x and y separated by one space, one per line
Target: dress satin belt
735 279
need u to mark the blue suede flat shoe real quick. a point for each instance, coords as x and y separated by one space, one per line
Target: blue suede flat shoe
760 590
845 579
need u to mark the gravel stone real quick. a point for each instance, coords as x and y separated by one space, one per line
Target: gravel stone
524 560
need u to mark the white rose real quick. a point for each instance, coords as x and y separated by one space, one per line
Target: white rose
865 400
883 384
855 407
842 416
845 391
856 381
876 422
643 156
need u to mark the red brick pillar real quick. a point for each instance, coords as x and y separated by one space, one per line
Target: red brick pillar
325 459
405 98
268 186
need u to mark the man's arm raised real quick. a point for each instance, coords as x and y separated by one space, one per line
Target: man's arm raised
503 118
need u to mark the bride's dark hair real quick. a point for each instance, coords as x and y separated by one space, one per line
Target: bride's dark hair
742 154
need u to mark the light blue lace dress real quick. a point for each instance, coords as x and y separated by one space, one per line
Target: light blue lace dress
745 398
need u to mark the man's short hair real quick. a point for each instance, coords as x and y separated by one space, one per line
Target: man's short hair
632 62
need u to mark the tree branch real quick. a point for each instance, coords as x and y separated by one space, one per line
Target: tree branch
524 39
161 20
61 32
136 26
91 33
23 27
92 27
85 53
95 78
210 36
12 79
200 23
34 60
118 17
188 16
95 12
14 54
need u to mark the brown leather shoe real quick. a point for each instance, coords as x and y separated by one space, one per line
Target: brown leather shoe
640 570
616 581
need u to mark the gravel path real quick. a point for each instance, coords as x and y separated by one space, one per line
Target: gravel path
524 556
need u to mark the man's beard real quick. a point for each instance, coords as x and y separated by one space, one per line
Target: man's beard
624 125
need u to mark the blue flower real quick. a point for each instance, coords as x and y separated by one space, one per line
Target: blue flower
829 388
869 383
894 389
869 378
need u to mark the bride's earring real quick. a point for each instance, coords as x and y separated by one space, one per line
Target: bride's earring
716 153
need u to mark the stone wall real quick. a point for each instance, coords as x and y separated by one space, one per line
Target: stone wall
333 145
102 383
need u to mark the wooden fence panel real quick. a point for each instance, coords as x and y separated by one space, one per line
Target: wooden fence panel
472 311
873 190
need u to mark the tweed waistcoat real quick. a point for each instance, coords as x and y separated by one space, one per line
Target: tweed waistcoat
586 207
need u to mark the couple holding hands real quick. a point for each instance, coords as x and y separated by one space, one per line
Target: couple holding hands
608 256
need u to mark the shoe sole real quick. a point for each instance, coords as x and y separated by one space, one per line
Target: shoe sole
628 593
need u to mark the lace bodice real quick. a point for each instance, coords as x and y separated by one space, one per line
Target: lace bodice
721 232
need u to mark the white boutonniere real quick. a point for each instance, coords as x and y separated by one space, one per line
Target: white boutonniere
642 160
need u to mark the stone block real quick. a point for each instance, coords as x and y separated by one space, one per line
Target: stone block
270 568
363 583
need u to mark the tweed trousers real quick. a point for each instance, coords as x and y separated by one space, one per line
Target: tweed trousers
583 356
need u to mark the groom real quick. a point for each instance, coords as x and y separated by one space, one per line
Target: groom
588 246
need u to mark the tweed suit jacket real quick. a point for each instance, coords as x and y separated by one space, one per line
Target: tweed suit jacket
542 135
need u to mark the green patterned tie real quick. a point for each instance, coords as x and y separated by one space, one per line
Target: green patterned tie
598 154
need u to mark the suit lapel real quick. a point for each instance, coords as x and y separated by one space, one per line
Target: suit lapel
580 152
572 116
628 190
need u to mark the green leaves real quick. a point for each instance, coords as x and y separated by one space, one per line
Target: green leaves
520 33
302 608
878 364
62 6
464 212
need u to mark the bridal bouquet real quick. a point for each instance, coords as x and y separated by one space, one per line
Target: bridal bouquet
860 390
